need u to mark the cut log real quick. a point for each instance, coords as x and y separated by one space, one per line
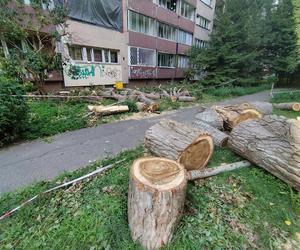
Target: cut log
153 96
152 106
177 141
209 172
264 108
168 96
220 139
294 106
186 99
141 106
156 197
183 93
211 117
233 115
272 143
108 110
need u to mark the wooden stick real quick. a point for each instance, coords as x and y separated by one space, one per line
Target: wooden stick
201 174
100 170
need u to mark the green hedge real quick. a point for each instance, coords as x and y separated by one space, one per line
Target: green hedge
13 110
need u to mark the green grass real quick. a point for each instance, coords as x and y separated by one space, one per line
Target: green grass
242 209
286 97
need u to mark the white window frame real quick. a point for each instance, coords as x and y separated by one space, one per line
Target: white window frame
167 67
164 31
186 34
200 20
185 59
152 23
138 57
185 3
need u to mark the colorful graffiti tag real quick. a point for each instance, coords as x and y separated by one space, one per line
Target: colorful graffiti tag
91 74
142 72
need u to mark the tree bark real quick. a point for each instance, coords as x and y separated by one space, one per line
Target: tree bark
152 96
186 99
156 197
294 106
209 172
264 108
232 115
220 139
211 117
108 110
152 106
177 141
272 143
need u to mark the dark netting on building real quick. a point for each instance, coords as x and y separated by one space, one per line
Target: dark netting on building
105 13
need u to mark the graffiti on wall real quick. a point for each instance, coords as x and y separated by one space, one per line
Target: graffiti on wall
91 74
142 72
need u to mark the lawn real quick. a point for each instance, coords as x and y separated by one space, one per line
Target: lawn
48 117
244 209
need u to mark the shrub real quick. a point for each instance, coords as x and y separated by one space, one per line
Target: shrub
131 105
13 110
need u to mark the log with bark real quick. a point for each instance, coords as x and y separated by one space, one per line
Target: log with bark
169 96
186 99
190 146
108 110
211 117
265 108
220 139
232 115
152 106
156 197
152 96
209 172
272 143
293 106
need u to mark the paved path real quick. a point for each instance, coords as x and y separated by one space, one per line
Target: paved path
26 163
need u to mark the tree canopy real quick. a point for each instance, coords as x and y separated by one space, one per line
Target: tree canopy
251 39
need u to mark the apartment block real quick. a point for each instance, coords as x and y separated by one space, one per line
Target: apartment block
133 41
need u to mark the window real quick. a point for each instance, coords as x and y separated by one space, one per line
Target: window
168 4
207 2
166 60
141 23
200 43
98 55
45 6
76 53
202 22
166 31
187 10
142 57
93 54
185 37
183 62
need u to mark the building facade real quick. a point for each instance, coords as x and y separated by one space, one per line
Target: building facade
133 41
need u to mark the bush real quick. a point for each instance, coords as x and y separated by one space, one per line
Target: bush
13 110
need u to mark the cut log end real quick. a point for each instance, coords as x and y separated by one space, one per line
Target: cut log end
247 114
197 154
296 107
156 196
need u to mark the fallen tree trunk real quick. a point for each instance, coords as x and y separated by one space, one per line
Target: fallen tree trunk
152 106
272 143
232 115
209 172
152 96
294 106
211 117
156 197
186 99
177 141
168 96
108 110
220 139
264 108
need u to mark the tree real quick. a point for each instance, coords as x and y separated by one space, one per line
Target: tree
280 42
28 35
251 38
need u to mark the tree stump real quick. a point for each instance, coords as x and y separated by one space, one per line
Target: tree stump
294 106
220 139
272 143
156 196
189 146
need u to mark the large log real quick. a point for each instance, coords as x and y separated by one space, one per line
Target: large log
211 117
265 108
152 96
156 196
177 141
232 115
220 139
294 106
272 143
152 106
186 99
108 110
